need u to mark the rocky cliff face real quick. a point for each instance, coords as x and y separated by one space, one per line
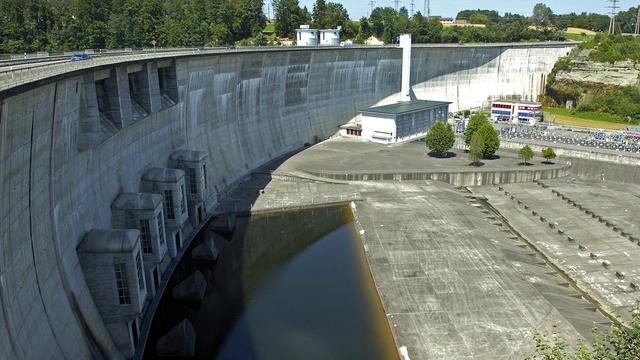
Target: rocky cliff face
621 73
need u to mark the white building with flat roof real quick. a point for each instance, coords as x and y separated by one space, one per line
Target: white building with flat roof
306 36
516 112
389 124
330 37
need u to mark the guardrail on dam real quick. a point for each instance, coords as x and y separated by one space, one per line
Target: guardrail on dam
71 143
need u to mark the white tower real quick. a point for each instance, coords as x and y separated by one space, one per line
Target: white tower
405 45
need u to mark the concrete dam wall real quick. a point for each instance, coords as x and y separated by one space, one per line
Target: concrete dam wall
70 145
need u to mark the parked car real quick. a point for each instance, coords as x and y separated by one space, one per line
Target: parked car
80 57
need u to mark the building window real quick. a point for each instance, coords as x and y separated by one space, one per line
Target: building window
168 204
204 175
139 271
161 228
193 188
122 284
183 203
145 236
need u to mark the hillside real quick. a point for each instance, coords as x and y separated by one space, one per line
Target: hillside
600 80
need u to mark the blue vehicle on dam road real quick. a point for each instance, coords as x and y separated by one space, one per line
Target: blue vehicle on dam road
80 57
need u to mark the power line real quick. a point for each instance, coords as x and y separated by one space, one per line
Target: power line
614 12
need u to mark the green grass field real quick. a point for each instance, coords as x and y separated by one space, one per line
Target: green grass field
270 28
578 37
585 119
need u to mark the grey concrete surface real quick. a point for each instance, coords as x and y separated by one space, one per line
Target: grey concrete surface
454 282
352 159
582 242
241 108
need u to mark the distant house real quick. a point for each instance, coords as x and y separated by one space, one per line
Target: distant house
447 21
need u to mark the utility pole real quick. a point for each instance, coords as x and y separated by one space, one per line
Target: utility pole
637 32
412 5
396 2
427 9
371 4
614 12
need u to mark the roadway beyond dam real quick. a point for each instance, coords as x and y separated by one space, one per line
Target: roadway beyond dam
70 143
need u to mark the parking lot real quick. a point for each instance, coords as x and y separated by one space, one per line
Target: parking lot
611 140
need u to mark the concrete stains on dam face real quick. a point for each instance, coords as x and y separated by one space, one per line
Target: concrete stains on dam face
286 285
242 109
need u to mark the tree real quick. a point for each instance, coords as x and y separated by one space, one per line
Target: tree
525 154
620 342
336 15
289 16
476 122
319 14
490 139
492 16
365 28
440 138
478 18
548 154
542 15
476 149
424 31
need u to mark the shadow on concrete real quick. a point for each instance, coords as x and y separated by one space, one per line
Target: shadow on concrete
437 155
248 256
248 253
548 162
476 163
525 164
492 157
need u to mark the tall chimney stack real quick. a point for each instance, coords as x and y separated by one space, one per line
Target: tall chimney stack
405 90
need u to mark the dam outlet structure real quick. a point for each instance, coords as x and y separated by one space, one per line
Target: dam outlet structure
109 169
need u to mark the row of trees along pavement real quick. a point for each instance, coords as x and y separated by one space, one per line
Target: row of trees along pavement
480 137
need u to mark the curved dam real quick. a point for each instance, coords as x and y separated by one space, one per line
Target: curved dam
72 144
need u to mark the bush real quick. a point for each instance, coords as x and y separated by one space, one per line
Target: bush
618 343
440 138
476 149
548 154
525 154
624 103
476 122
490 139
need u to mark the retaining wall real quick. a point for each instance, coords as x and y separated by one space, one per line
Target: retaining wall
590 162
458 178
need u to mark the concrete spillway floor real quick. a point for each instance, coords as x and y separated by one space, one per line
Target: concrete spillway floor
580 226
616 201
453 280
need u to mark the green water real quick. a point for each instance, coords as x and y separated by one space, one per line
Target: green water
300 288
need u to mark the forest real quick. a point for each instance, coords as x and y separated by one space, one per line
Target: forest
66 25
